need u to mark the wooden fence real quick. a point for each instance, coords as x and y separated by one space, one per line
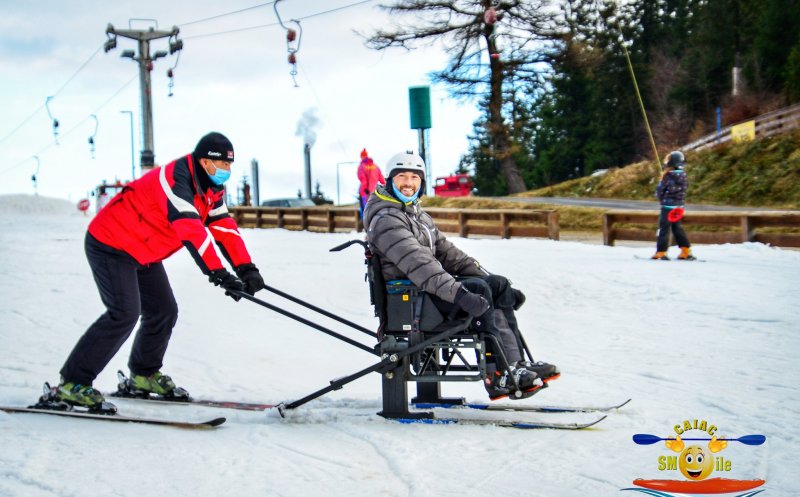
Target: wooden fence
503 223
730 227
771 123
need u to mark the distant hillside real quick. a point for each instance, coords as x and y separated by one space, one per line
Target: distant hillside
763 173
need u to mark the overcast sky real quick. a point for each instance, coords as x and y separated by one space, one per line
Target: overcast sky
227 78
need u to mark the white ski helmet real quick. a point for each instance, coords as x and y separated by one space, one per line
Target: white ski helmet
406 161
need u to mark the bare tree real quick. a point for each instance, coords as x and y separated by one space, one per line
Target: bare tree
492 45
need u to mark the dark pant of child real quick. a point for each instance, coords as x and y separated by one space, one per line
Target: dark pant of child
664 227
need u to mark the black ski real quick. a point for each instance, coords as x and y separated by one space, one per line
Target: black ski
524 425
212 423
222 404
125 390
520 408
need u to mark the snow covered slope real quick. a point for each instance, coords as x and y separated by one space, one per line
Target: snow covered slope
715 341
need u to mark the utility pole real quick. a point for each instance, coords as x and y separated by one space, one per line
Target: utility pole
145 60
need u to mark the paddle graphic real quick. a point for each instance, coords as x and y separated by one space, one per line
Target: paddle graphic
646 439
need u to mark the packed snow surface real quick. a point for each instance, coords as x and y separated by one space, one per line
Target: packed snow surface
714 341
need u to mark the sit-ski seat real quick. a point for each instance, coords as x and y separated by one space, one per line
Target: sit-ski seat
408 317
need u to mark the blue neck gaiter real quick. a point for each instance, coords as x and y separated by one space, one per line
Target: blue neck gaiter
403 198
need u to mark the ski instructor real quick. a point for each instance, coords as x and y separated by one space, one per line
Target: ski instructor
177 205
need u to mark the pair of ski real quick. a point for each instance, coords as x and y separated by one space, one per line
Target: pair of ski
248 406
668 260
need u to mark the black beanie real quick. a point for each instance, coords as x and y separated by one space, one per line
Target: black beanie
214 146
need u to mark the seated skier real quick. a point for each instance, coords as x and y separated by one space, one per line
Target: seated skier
411 247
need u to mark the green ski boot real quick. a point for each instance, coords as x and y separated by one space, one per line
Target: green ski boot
157 384
69 394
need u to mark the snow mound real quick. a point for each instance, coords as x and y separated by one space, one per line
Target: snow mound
37 205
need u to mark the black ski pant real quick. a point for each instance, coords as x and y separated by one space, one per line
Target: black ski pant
664 227
499 320
129 291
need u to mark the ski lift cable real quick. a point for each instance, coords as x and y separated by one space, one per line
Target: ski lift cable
94 54
38 109
211 18
262 26
77 125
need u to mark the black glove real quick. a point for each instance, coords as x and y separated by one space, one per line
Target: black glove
472 303
251 278
519 298
221 277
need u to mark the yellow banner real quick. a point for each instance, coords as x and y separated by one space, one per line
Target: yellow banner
743 132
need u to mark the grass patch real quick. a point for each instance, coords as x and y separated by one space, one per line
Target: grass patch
761 173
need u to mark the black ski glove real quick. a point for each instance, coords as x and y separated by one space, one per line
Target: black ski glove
229 282
472 303
251 278
519 298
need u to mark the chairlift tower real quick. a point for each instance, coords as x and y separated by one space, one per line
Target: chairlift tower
145 60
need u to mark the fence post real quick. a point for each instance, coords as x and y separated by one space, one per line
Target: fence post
504 231
304 219
331 221
280 218
608 226
553 232
748 230
462 225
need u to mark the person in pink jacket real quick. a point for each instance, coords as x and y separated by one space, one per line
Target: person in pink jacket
369 175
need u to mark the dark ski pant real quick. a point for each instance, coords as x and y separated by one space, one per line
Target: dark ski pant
499 320
664 227
128 290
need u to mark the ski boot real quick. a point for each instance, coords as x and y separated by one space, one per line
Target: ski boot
686 254
68 395
157 386
520 384
547 372
660 256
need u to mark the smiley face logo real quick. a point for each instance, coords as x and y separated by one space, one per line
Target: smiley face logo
696 463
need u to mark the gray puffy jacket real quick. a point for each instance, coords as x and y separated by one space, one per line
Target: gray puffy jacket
411 247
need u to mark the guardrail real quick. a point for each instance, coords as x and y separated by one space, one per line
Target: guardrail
741 227
771 123
504 223
298 218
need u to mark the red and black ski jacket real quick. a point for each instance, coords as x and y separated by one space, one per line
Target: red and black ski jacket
169 207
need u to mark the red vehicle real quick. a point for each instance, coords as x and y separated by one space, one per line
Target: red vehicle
455 185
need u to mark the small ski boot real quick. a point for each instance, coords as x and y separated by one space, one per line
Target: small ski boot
157 386
547 372
686 254
68 395
660 256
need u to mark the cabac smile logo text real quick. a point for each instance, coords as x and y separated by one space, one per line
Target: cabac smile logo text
695 449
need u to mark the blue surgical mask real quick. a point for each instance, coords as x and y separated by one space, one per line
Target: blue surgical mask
220 176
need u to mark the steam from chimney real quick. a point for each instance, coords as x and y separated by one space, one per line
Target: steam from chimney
307 126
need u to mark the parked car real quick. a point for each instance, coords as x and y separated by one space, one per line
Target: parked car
288 202
455 185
